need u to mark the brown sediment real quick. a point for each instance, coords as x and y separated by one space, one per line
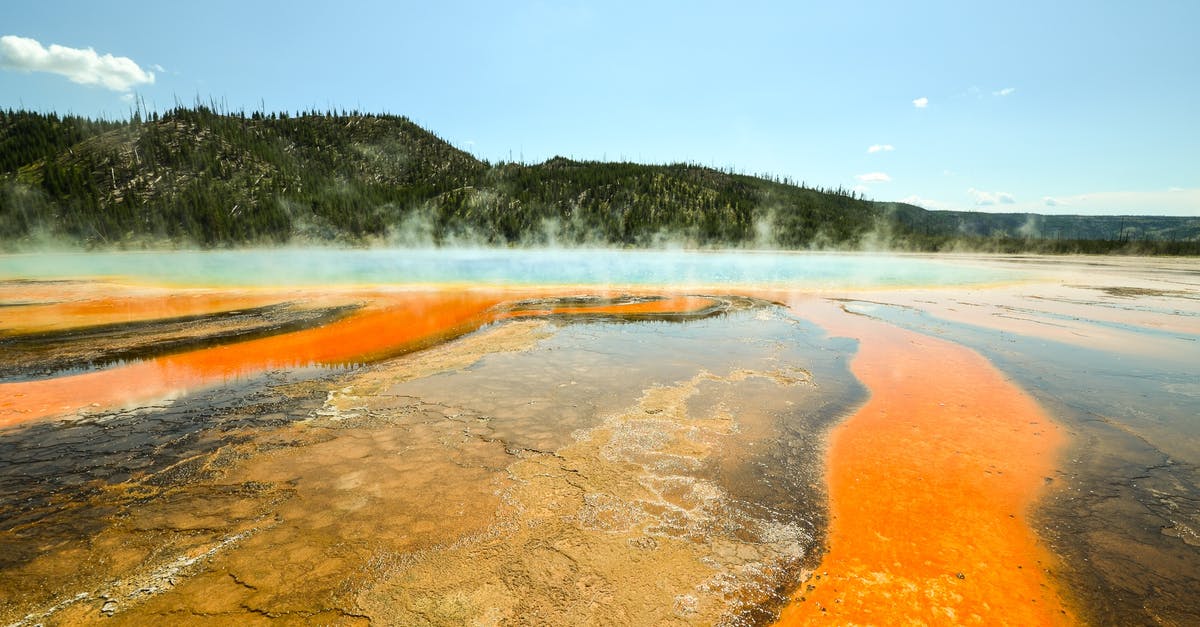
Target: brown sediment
930 487
629 306
402 508
346 488
1124 291
615 527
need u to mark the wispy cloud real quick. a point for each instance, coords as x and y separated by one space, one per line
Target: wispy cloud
881 148
1177 202
929 203
81 66
984 199
1004 92
921 102
1183 202
874 177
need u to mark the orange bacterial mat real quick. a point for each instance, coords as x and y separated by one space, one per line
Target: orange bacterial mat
390 323
930 484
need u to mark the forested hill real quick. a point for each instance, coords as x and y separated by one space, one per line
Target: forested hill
196 177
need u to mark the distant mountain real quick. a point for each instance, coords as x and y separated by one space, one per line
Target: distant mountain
196 177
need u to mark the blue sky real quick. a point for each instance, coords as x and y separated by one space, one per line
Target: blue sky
1063 107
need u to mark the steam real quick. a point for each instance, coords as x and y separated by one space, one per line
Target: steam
81 66
492 267
1032 227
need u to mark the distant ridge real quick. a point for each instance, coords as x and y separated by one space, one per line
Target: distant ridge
196 177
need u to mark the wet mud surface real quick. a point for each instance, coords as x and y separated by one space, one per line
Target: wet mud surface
65 485
552 469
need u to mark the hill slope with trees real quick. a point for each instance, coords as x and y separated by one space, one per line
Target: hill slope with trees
195 177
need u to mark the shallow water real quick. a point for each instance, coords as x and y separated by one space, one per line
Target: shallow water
1127 512
635 438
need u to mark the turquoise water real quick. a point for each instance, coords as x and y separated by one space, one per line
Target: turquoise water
302 267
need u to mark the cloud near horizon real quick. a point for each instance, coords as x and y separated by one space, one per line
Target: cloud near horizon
1182 202
874 177
1004 92
82 66
881 148
921 102
984 199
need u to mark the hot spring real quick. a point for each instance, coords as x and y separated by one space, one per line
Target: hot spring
594 436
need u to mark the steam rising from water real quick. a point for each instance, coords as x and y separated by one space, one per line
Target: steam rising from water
503 267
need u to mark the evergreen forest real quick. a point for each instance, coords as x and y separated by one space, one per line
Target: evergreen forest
199 177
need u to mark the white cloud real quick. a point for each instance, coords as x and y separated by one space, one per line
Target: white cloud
1004 92
1179 202
874 177
984 199
158 68
81 66
881 148
921 102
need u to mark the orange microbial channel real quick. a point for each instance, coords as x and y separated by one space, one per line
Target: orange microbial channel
129 309
930 484
388 324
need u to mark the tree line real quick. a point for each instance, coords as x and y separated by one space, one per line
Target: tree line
203 177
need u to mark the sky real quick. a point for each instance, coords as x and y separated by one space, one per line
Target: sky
1051 107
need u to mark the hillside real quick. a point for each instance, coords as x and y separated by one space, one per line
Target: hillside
196 177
